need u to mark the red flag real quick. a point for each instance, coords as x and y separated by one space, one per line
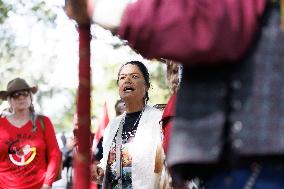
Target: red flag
102 123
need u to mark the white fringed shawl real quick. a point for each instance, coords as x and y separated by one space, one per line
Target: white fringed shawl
146 141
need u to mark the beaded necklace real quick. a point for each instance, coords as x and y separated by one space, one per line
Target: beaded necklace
132 128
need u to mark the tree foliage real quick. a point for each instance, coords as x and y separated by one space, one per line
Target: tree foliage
40 64
35 9
4 9
16 56
13 55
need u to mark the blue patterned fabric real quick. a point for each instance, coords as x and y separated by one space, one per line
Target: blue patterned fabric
270 177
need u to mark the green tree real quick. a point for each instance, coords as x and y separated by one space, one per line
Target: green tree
32 47
12 55
16 56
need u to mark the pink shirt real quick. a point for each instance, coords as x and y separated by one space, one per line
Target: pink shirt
191 31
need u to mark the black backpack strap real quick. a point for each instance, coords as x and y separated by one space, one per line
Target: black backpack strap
40 118
33 118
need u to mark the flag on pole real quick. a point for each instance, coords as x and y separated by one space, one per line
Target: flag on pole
102 123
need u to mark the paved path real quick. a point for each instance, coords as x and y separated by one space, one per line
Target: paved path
62 183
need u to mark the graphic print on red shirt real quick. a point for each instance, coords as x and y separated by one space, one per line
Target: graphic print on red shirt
24 155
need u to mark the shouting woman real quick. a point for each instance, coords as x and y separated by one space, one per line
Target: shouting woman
133 154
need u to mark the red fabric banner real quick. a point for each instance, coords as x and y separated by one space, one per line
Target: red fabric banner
103 121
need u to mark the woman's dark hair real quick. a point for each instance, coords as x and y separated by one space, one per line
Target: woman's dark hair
145 73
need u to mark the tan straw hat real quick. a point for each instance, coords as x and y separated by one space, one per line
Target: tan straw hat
14 85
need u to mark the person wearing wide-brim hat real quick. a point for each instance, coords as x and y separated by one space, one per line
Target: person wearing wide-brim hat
16 85
29 153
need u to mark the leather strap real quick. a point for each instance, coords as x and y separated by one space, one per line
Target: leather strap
33 118
118 153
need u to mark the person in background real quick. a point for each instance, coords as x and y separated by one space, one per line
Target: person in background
67 155
173 79
119 107
229 117
29 154
63 138
132 144
73 145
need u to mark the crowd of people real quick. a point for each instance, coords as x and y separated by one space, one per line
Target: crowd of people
223 123
135 122
229 109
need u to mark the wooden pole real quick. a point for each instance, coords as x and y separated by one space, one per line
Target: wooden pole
82 159
81 11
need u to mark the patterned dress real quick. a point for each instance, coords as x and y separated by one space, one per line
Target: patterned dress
128 134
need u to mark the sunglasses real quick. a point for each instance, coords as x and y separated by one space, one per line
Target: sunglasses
17 94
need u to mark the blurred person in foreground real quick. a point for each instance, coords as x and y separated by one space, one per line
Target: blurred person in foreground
30 157
173 76
229 118
132 145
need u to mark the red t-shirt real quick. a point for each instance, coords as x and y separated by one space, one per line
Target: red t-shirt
168 114
28 159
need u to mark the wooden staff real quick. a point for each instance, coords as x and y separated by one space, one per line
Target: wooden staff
79 11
